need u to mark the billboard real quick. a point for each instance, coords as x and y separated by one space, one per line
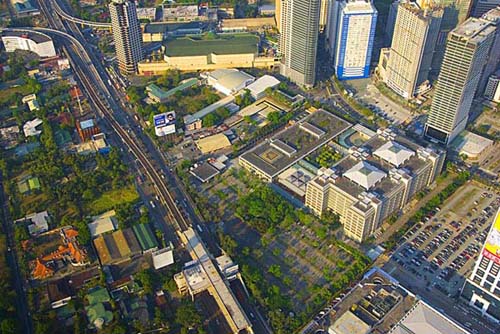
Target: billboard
164 123
167 118
165 130
491 248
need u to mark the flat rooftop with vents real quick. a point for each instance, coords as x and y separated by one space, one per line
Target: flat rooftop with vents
273 156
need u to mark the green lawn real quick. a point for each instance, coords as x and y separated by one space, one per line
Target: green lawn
111 199
5 94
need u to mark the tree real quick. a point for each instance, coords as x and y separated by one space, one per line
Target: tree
273 117
8 326
187 316
210 120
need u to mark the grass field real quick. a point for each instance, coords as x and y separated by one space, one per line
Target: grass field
5 94
227 44
111 199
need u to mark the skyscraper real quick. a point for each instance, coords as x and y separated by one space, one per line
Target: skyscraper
299 40
482 6
412 48
350 34
482 288
493 62
126 34
455 13
466 54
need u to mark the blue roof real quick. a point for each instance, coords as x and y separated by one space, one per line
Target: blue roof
87 124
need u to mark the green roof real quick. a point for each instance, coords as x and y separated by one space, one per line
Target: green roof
34 183
145 236
223 44
161 94
99 295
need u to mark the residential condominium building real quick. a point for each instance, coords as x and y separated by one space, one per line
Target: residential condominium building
126 34
374 181
299 29
412 48
350 34
466 55
482 288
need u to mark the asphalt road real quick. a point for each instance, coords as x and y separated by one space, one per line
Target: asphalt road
12 260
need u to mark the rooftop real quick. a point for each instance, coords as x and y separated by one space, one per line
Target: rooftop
422 318
394 153
349 323
225 44
474 30
102 223
87 124
205 172
35 37
213 143
145 236
230 78
365 174
162 27
471 144
275 155
262 83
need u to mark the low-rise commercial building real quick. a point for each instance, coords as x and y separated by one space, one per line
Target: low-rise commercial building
273 156
258 88
38 43
117 247
198 54
213 143
229 81
372 182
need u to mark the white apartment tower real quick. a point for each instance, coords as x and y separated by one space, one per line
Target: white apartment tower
126 34
350 34
412 48
482 288
299 29
467 52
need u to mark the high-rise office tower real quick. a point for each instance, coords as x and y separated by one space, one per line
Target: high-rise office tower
493 62
412 48
466 54
350 34
482 288
391 21
483 6
455 13
126 34
299 40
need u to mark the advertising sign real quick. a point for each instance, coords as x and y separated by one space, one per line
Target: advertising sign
164 123
165 130
164 119
492 246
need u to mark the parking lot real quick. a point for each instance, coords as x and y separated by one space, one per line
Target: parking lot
439 254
